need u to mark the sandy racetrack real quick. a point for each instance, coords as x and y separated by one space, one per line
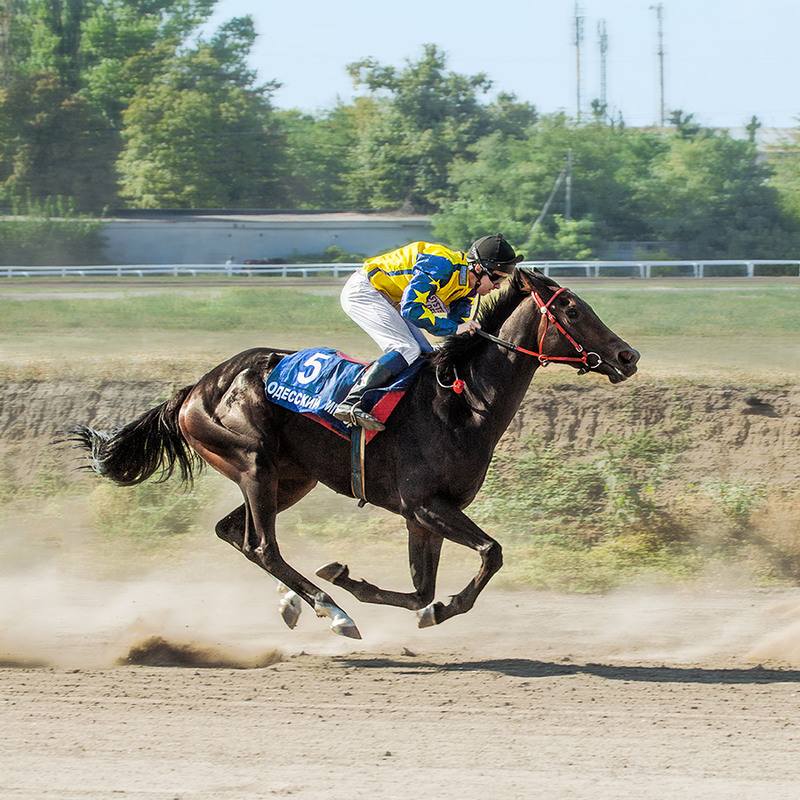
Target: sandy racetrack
663 693
659 693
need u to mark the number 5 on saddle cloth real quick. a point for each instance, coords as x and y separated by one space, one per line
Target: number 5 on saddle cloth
313 382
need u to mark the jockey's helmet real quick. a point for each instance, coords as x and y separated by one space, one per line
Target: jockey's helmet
495 253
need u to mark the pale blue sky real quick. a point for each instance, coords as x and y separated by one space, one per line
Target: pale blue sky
725 59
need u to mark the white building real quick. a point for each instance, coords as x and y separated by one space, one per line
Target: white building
205 237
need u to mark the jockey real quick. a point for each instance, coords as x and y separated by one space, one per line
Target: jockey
396 296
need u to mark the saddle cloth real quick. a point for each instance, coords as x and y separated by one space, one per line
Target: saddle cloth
313 382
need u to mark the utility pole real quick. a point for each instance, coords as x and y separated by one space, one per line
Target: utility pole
568 198
577 39
603 40
659 9
565 174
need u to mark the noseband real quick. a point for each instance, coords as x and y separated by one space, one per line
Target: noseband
549 319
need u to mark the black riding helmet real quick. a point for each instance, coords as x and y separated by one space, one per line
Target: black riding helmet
494 253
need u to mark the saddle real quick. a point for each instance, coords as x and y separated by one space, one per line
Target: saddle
314 381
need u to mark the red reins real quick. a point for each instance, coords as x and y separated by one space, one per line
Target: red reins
459 385
549 319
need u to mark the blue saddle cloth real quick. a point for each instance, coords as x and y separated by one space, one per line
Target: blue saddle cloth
313 382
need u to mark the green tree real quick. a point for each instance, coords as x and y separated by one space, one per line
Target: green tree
103 48
784 162
315 156
564 240
126 44
53 143
685 126
508 182
199 135
711 192
696 187
72 67
417 119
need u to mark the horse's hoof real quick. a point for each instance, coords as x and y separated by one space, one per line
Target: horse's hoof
290 608
330 572
427 617
344 626
340 622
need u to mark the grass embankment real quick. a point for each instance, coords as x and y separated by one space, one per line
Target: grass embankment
582 520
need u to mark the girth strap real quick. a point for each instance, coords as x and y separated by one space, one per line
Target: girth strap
358 442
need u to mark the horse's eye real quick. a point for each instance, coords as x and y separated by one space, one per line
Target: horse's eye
572 312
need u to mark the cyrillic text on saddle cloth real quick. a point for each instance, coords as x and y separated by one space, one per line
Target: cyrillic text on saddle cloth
313 382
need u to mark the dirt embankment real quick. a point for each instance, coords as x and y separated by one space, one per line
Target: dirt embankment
730 431
726 430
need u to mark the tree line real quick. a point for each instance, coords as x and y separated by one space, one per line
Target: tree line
110 104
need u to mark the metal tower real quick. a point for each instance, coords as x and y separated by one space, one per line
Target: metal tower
659 9
603 41
577 39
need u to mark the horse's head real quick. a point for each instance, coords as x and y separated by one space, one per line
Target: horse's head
565 329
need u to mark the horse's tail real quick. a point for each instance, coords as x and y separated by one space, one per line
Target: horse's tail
134 452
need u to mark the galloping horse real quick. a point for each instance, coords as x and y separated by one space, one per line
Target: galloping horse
427 466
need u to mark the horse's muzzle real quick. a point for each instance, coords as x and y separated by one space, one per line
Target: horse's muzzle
621 366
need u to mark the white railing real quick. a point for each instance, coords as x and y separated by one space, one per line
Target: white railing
666 269
180 270
590 269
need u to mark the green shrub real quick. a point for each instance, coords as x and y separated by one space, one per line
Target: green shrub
49 233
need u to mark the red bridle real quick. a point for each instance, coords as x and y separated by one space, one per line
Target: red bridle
549 319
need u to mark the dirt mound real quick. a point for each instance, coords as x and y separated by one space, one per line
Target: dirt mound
155 651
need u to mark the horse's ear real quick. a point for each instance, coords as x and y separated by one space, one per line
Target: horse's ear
530 279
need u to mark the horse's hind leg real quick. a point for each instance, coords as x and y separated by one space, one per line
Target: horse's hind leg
233 529
259 494
237 439
424 549
236 527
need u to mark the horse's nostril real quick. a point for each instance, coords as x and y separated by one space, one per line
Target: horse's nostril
628 356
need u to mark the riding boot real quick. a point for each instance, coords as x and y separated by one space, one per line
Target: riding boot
349 410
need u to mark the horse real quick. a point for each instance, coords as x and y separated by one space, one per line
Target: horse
426 466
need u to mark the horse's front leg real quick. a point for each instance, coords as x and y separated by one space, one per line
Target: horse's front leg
441 516
424 549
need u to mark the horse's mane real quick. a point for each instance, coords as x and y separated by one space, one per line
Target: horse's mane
493 311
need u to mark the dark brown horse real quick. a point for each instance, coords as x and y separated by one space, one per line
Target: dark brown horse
427 466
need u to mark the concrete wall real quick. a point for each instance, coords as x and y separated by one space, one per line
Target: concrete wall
213 239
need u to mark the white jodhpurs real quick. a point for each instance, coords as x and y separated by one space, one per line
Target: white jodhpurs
380 319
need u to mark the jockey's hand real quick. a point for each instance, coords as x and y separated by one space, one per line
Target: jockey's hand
470 326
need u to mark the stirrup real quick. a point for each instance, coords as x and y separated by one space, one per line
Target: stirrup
356 417
344 414
361 419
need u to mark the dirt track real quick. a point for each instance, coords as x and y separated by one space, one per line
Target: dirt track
670 693
662 694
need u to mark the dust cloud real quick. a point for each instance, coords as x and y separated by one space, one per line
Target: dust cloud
782 641
64 603
71 598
